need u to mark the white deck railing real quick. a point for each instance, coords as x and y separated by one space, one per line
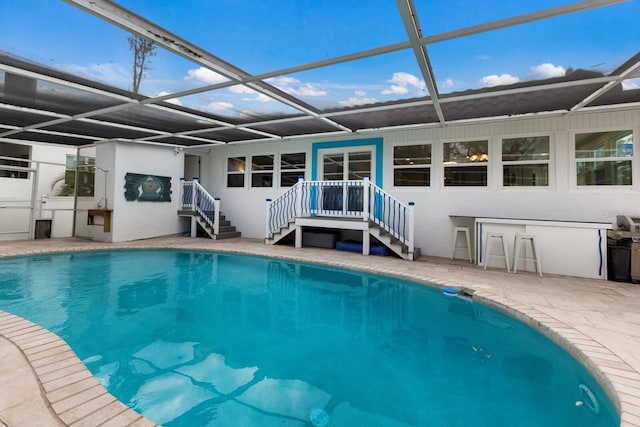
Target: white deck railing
194 197
344 199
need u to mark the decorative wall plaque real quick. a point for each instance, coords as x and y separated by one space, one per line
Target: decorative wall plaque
147 188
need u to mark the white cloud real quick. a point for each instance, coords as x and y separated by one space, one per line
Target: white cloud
306 89
395 90
241 89
283 81
175 101
360 93
547 70
355 101
205 75
255 96
295 87
497 80
631 84
108 72
219 105
482 57
407 79
259 97
401 82
447 83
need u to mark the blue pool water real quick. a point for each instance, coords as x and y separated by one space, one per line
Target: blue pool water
199 338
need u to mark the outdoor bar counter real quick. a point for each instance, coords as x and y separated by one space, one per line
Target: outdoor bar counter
565 247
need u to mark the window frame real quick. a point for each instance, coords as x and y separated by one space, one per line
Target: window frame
346 151
25 153
428 166
301 172
488 164
603 187
84 167
550 162
254 172
236 173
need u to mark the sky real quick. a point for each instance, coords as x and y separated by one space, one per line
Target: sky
268 35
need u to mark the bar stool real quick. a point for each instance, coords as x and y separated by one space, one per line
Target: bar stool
519 240
491 235
464 230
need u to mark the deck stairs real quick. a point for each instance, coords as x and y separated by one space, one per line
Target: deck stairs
343 205
204 210
226 230
397 246
394 244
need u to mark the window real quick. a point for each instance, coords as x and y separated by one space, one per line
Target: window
235 171
15 151
86 177
465 163
412 165
292 167
604 158
525 162
262 171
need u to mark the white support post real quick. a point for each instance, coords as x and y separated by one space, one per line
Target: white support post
34 195
343 192
194 225
182 189
267 230
365 200
298 190
410 239
194 185
298 232
366 242
216 215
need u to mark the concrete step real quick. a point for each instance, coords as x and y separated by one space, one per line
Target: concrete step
229 235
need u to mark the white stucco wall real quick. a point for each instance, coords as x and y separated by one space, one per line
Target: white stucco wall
561 200
436 209
134 220
14 223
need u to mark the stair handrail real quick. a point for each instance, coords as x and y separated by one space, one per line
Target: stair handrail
392 215
282 209
352 198
196 198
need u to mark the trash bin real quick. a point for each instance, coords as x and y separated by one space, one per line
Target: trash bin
619 259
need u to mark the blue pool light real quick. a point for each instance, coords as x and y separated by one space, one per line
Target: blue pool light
319 417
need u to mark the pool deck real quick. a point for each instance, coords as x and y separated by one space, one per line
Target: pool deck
44 384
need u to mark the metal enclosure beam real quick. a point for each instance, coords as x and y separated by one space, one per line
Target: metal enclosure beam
412 26
131 22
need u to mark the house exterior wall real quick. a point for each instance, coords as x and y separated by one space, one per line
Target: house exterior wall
14 193
133 220
439 208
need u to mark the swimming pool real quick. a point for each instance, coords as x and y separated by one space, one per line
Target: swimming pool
197 338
